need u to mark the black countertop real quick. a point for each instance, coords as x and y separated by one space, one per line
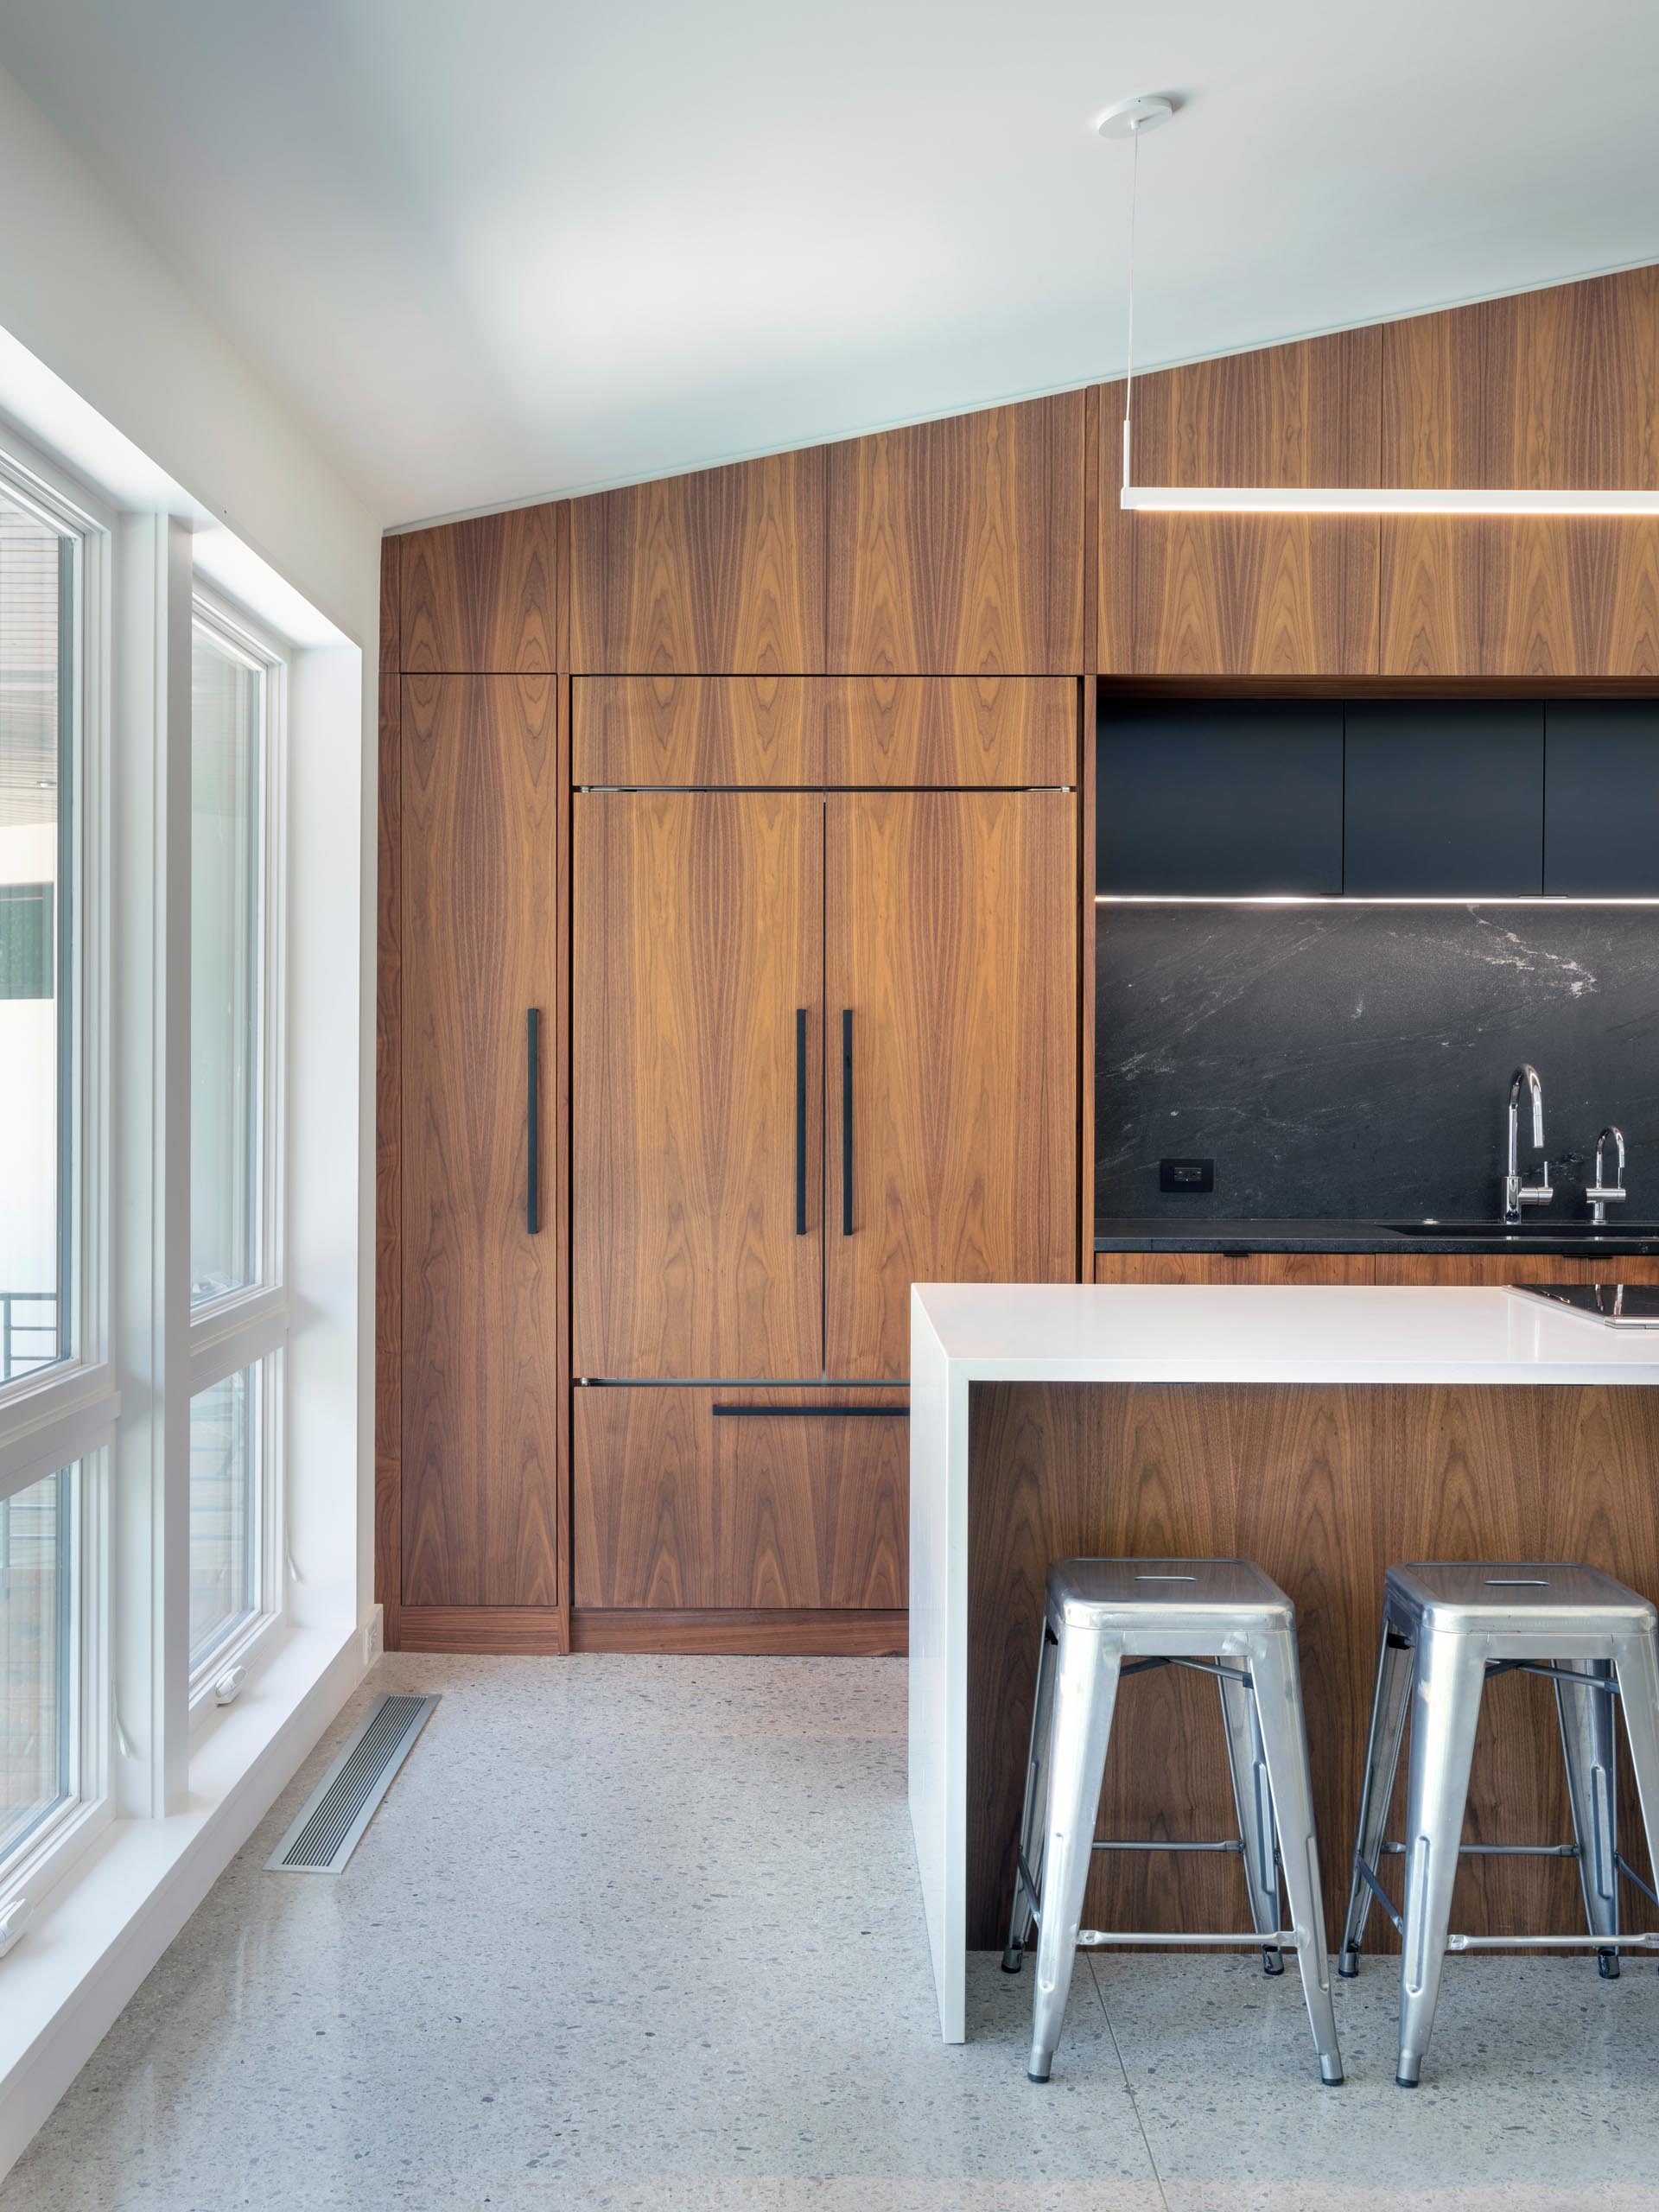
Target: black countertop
1213 1235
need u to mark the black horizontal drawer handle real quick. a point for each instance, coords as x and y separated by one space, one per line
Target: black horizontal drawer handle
811 1413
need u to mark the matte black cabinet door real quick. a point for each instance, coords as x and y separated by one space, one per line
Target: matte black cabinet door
1601 797
1443 797
1220 799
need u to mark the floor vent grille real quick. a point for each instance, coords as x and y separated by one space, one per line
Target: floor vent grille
333 1818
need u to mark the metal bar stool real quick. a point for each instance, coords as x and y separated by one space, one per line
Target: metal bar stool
1448 1628
1106 1617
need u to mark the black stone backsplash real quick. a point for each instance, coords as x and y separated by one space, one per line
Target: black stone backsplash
1352 1061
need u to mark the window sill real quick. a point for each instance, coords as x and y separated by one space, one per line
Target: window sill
98 1934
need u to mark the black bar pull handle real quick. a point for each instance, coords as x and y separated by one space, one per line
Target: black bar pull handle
800 1120
811 1413
846 1121
533 1177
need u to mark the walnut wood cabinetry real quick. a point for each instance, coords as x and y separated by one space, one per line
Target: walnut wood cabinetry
824 1045
481 1260
1231 1267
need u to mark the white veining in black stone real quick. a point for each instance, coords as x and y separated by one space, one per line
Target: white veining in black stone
1353 1061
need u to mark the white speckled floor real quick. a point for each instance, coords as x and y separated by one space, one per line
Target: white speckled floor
644 1935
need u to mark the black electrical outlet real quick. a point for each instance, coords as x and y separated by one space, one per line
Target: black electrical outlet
1187 1177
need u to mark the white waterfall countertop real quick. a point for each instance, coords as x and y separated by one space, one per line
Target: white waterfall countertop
965 1333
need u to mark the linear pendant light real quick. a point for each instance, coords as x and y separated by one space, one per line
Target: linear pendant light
1130 119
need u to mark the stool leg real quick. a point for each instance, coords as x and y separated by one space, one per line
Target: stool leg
1278 1693
1587 1748
1033 1819
1446 1712
1085 1694
1389 1709
1636 1663
1253 1796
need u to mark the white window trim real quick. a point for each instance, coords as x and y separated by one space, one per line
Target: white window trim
256 1638
248 1327
31 1869
31 1401
236 632
62 1416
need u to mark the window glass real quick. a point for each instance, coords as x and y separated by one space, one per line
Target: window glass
36 1621
36 1036
224 1515
227 719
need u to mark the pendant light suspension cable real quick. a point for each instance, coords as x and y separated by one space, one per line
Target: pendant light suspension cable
1129 120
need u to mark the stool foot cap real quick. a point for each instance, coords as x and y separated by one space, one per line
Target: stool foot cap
1401 2082
1039 2078
1607 1965
1272 1962
1348 1964
1331 2081
1012 1961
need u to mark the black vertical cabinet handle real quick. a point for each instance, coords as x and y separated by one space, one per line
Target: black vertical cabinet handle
533 1177
846 1121
800 1120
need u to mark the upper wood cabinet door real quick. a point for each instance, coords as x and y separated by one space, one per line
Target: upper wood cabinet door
481 1401
716 573
956 548
697 970
1247 595
952 935
1571 402
697 729
1429 567
952 731
480 597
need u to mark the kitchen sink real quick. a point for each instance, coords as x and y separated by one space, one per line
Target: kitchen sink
1544 1232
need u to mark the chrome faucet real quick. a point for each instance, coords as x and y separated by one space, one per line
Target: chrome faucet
1601 1192
1517 1192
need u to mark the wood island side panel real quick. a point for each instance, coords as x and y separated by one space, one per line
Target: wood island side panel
1323 1487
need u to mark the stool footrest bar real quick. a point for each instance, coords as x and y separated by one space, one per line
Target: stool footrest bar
1235 1846
1631 1875
1501 1851
1623 1941
1095 1939
1368 1875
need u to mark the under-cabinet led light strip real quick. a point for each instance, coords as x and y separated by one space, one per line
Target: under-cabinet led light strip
1129 120
1349 899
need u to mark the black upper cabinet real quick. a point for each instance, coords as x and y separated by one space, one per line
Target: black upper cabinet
1601 797
1443 797
1219 798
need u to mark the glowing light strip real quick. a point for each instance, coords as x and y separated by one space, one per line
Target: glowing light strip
1335 499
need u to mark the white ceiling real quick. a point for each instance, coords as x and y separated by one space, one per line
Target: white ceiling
494 250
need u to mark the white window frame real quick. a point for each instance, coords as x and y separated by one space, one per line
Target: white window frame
62 1417
248 1327
85 1810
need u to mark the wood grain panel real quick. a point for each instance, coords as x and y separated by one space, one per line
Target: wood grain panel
1278 595
1488 1267
1571 401
763 730
951 936
731 1632
481 1429
523 1630
1225 1267
678 1506
1430 566
388 1112
716 573
1116 538
697 936
1323 1487
480 597
956 548
962 732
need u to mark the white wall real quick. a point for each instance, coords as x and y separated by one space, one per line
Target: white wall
86 296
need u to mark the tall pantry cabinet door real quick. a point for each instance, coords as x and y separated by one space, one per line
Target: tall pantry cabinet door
950 1049
696 1113
480 1424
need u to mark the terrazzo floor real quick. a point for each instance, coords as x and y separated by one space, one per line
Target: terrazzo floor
638 1934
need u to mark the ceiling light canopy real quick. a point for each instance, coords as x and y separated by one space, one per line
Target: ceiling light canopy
1131 119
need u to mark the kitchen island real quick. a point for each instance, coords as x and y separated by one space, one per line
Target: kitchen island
1321 1431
